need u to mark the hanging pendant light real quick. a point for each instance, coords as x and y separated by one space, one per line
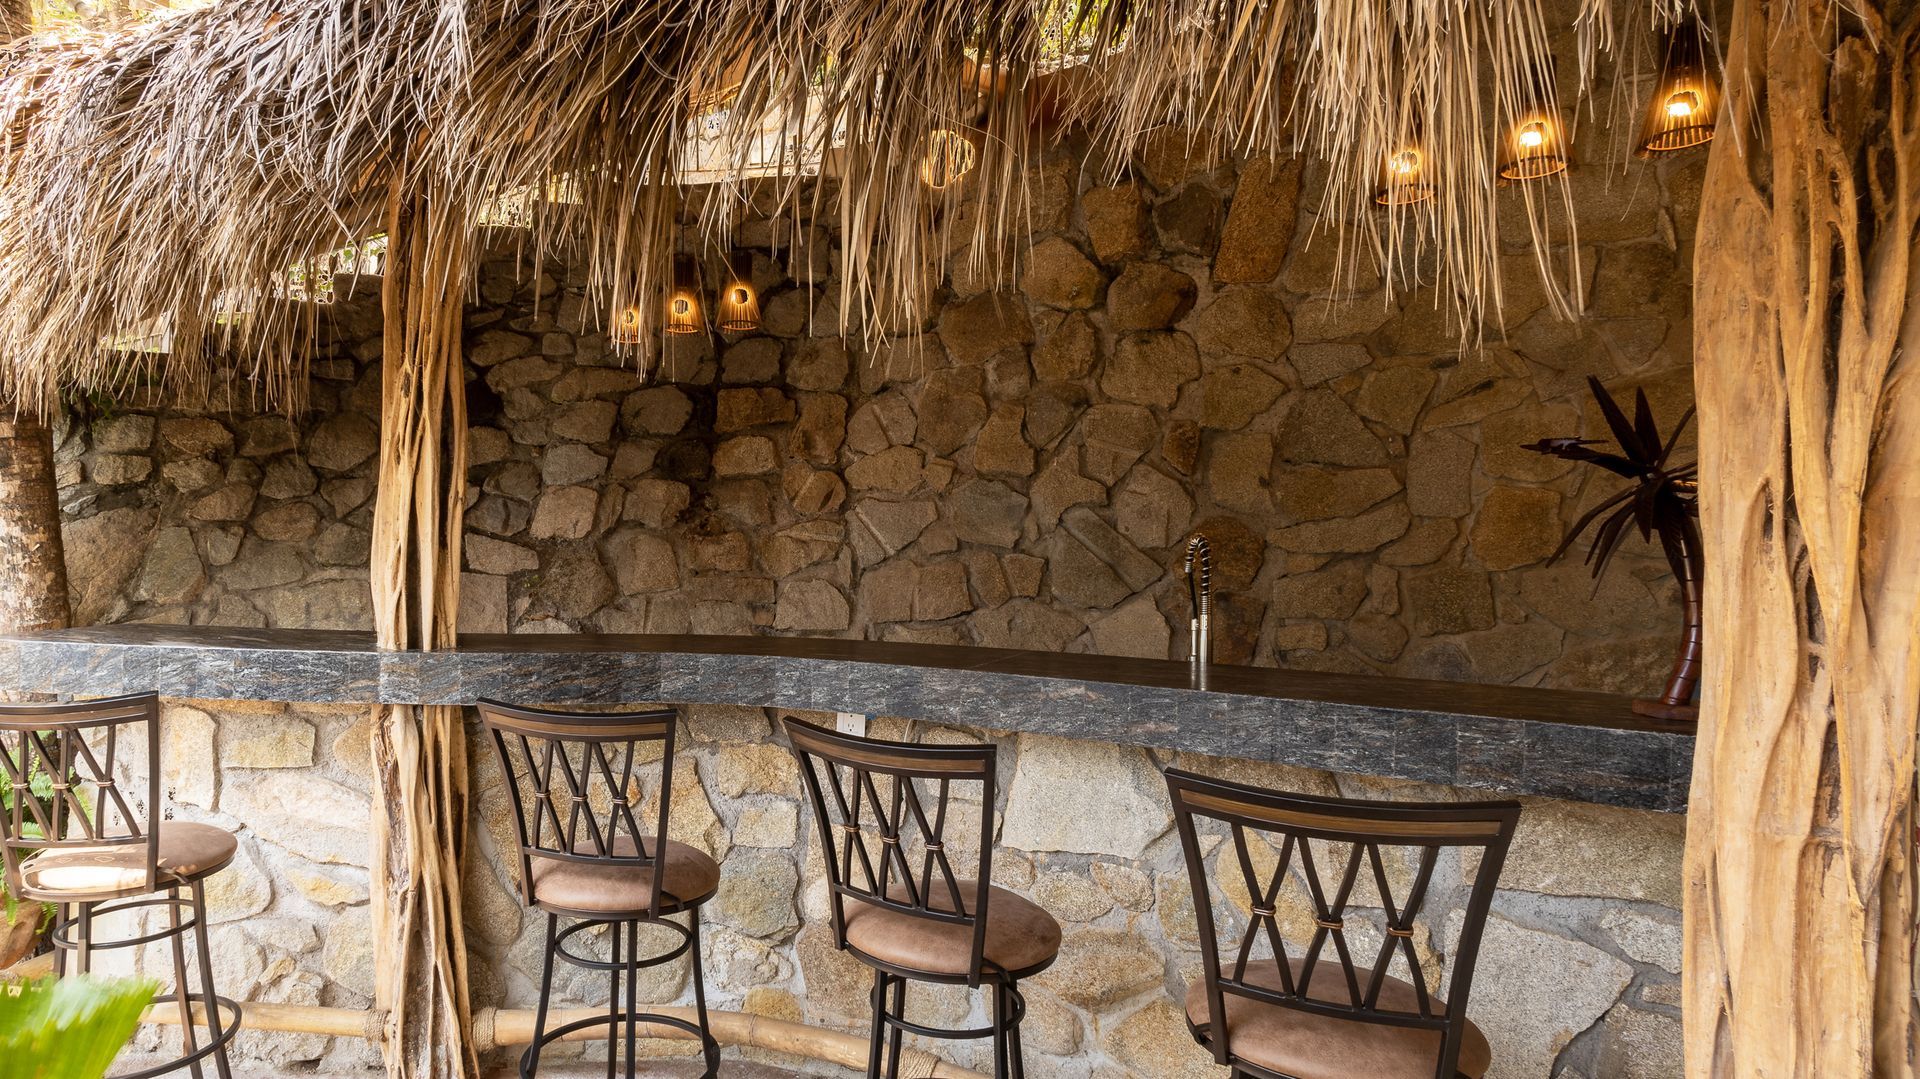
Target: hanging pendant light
1686 101
626 328
739 306
1535 148
1404 178
950 155
683 300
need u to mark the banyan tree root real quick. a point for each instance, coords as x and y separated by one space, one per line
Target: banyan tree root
1800 896
419 753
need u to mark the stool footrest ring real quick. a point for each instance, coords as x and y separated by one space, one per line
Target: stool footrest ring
1016 1011
230 1017
710 1048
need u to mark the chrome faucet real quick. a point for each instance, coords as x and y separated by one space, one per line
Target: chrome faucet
1199 569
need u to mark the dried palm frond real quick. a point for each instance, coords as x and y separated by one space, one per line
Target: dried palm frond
147 172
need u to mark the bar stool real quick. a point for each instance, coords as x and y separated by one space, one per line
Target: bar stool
586 855
1312 1017
91 849
929 924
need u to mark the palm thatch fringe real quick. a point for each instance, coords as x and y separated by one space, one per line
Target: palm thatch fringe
147 172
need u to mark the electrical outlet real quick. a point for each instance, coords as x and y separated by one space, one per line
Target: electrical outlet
851 723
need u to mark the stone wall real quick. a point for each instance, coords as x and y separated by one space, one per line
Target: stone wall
1577 976
1022 474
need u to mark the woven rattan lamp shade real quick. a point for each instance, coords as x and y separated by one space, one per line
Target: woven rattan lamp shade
1534 149
683 299
739 308
1403 178
1686 100
950 155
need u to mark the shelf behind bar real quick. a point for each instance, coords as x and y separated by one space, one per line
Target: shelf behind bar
1557 743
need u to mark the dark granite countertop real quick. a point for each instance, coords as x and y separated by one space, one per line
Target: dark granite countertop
1583 746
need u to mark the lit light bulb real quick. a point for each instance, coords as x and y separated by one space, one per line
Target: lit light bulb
1404 162
1683 104
626 329
682 306
1533 136
740 295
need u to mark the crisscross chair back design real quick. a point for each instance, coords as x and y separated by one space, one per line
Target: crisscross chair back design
891 804
1291 825
575 784
71 749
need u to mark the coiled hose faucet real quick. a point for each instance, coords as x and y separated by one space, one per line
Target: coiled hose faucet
1199 569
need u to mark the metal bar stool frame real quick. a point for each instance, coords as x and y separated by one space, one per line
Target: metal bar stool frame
513 728
899 818
54 738
1428 827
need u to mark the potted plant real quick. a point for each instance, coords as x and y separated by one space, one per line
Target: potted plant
1662 499
68 1028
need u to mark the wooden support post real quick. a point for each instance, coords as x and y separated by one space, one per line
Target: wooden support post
33 568
419 753
1800 853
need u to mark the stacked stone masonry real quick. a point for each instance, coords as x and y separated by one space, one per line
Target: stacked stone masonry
1021 473
1578 974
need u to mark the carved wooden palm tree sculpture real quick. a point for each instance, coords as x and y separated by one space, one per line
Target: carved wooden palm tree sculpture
1662 500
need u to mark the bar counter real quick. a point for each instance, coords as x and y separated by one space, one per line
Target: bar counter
1587 747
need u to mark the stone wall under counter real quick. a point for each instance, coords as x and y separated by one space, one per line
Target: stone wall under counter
1577 977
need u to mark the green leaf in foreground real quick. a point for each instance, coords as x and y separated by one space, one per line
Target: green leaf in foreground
68 1028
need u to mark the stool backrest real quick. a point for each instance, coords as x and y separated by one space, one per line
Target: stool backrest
573 778
890 802
58 762
1289 825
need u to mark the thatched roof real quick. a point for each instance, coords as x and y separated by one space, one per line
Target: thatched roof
157 172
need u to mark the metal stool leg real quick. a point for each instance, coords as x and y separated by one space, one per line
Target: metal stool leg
896 1038
1017 1056
633 998
999 1030
211 1001
878 1041
188 1043
709 1049
83 957
613 1001
530 1059
60 920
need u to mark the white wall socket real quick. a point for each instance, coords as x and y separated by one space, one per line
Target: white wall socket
851 723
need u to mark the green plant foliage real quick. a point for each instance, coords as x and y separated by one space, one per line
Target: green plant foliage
68 1028
40 789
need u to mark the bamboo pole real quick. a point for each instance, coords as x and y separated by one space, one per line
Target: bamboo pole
497 1027
1800 894
419 753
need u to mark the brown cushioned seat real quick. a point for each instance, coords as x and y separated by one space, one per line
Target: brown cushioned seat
1021 938
599 888
1309 1046
187 852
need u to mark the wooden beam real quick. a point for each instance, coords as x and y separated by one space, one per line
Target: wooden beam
1800 894
419 753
